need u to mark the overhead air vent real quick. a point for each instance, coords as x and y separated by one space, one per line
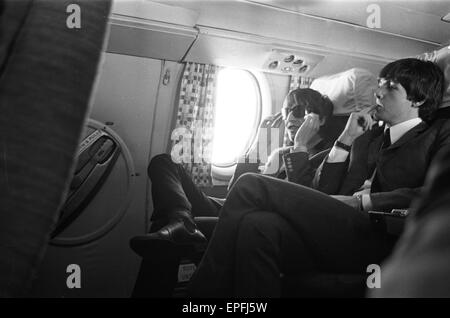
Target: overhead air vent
291 62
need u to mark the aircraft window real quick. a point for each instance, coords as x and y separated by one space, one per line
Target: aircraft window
237 115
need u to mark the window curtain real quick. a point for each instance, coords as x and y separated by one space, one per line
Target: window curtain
300 82
193 132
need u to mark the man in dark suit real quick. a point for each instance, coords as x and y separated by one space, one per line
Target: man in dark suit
268 226
420 263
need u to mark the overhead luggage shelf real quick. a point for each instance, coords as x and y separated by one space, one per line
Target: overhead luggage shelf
148 29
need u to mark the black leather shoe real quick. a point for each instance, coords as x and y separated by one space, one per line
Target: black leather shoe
180 232
176 233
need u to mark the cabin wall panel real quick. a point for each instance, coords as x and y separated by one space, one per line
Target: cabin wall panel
279 87
125 95
166 108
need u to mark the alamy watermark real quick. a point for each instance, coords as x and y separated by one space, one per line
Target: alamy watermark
374 19
74 278
374 279
73 21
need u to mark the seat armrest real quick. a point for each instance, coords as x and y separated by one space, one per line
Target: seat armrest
392 222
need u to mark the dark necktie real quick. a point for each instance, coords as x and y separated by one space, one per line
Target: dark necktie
386 139
376 186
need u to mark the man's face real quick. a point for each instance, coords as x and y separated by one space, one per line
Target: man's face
392 103
292 124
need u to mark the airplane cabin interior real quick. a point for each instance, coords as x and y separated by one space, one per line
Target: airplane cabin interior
202 81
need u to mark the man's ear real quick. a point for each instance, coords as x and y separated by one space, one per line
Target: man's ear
322 121
417 104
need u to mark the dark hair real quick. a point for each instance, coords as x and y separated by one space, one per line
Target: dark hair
422 80
310 100
314 102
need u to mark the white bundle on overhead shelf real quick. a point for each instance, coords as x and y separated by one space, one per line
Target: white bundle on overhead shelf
349 91
442 58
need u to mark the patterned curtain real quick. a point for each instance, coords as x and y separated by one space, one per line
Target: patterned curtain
300 82
193 133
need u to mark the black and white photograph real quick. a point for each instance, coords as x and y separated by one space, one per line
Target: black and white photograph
221 156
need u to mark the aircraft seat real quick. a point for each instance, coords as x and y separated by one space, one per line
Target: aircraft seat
47 75
160 276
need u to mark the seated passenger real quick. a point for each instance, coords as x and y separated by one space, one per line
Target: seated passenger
268 226
177 199
420 263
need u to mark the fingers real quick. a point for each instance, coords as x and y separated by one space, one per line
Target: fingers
309 121
368 110
362 120
316 123
313 120
313 123
368 121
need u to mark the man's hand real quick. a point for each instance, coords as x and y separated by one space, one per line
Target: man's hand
306 132
349 200
358 123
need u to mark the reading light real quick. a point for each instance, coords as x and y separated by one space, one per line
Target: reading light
289 59
303 69
273 65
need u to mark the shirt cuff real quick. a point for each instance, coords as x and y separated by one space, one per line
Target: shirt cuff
366 202
337 155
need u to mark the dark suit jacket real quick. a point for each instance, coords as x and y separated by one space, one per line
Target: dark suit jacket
401 168
419 265
299 167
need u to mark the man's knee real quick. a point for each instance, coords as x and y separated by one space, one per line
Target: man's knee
157 162
247 187
247 179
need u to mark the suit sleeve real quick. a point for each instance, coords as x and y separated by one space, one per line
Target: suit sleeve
328 177
298 168
396 199
403 197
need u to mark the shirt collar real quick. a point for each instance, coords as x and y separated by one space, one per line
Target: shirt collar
398 130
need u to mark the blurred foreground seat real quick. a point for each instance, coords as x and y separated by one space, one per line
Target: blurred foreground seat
47 73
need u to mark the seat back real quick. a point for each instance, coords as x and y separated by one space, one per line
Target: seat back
47 72
271 135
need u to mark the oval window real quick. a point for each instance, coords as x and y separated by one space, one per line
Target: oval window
237 115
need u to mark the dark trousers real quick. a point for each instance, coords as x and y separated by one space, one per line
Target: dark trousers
307 231
173 191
